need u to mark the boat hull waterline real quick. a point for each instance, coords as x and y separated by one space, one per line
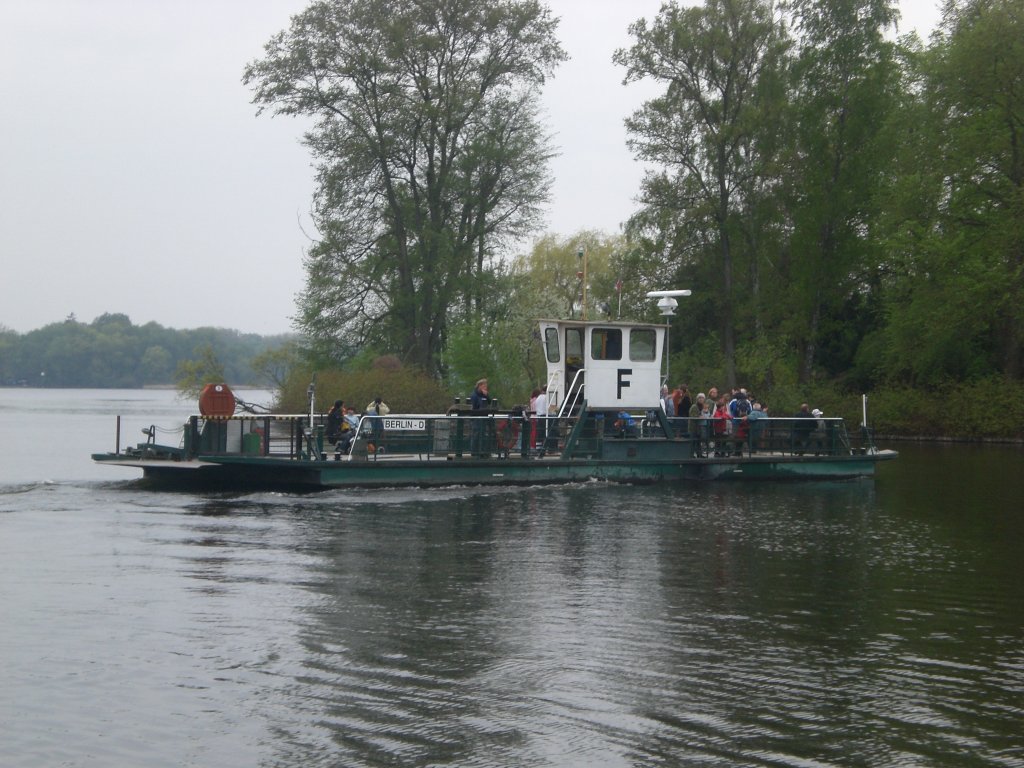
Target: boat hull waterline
240 472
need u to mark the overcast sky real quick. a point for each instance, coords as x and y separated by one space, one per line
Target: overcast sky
136 178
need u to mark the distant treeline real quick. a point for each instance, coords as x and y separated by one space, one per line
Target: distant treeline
112 352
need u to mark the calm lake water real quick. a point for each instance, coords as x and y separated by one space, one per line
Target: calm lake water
866 623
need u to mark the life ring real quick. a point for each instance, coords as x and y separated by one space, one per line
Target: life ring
508 434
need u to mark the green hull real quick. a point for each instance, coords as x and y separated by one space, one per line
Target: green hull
794 468
256 472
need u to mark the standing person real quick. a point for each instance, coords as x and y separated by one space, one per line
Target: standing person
713 398
698 423
480 399
378 409
698 407
685 403
756 421
668 405
819 430
532 414
803 425
722 425
335 418
540 410
480 402
740 405
739 410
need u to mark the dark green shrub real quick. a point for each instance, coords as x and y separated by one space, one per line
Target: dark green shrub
405 390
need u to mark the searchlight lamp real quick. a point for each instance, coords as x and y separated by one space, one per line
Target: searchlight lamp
667 305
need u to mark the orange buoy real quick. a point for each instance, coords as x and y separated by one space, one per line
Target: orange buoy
216 400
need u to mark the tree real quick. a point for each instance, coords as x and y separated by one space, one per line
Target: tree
205 368
275 365
955 293
714 61
429 152
156 365
497 342
555 270
980 82
845 85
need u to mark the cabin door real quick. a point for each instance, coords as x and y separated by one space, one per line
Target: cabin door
574 360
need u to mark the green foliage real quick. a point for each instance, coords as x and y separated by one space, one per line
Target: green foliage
955 295
987 408
767 366
699 365
156 364
555 266
846 208
496 354
405 389
112 352
845 81
192 375
430 156
547 282
848 211
273 366
720 64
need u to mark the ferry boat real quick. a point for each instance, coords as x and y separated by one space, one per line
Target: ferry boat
604 422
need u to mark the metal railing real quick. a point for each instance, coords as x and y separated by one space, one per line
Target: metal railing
499 435
786 436
574 395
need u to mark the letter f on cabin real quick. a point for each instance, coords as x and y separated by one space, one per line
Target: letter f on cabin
623 382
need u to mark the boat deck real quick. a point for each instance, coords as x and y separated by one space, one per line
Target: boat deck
421 450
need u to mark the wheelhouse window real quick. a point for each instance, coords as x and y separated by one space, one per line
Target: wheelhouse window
642 345
606 344
551 344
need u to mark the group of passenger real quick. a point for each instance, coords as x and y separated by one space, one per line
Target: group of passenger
731 418
737 417
342 423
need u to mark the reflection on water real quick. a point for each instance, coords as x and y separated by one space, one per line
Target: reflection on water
875 623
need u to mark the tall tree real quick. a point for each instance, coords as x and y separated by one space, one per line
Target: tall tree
980 83
714 61
845 83
429 151
955 300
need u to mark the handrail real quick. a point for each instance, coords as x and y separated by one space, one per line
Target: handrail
498 434
572 397
553 380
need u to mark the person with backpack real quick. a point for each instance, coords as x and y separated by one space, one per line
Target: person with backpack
739 409
739 406
377 408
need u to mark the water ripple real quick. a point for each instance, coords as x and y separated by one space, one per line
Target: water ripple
591 625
